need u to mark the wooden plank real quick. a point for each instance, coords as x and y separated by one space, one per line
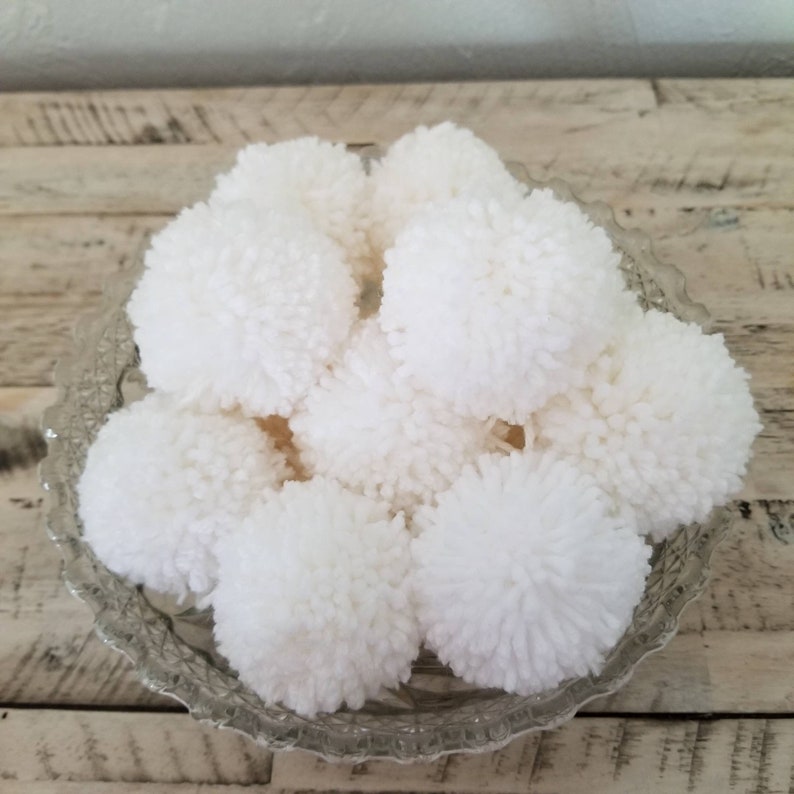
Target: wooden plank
630 149
238 115
615 755
52 271
86 746
729 672
21 405
78 180
45 749
749 582
111 180
736 260
34 334
769 472
117 787
716 94
61 257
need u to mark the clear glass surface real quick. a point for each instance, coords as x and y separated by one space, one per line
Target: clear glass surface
172 649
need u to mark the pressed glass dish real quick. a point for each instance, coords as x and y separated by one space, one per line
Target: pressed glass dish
171 646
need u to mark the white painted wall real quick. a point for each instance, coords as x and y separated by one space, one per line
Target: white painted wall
124 43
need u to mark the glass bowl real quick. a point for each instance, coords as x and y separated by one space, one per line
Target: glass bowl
171 647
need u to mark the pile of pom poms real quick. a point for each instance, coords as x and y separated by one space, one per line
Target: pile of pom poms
473 461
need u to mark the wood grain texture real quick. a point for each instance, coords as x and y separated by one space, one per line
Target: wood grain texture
238 116
67 745
44 749
48 650
164 179
586 754
610 140
705 167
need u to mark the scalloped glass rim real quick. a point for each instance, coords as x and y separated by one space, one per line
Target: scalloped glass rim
428 717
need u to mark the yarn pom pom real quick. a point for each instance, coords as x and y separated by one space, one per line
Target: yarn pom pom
162 485
664 420
370 429
306 174
429 165
240 308
522 577
495 308
312 606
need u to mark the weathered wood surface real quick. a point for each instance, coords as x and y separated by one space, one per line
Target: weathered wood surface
91 746
85 750
705 167
650 163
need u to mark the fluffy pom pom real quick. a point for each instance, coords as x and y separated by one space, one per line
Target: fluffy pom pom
241 308
162 485
664 421
312 606
522 577
495 308
369 428
318 177
429 165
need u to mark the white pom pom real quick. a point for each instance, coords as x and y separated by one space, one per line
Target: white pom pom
313 603
376 434
162 485
522 578
429 165
664 421
495 308
241 308
318 177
